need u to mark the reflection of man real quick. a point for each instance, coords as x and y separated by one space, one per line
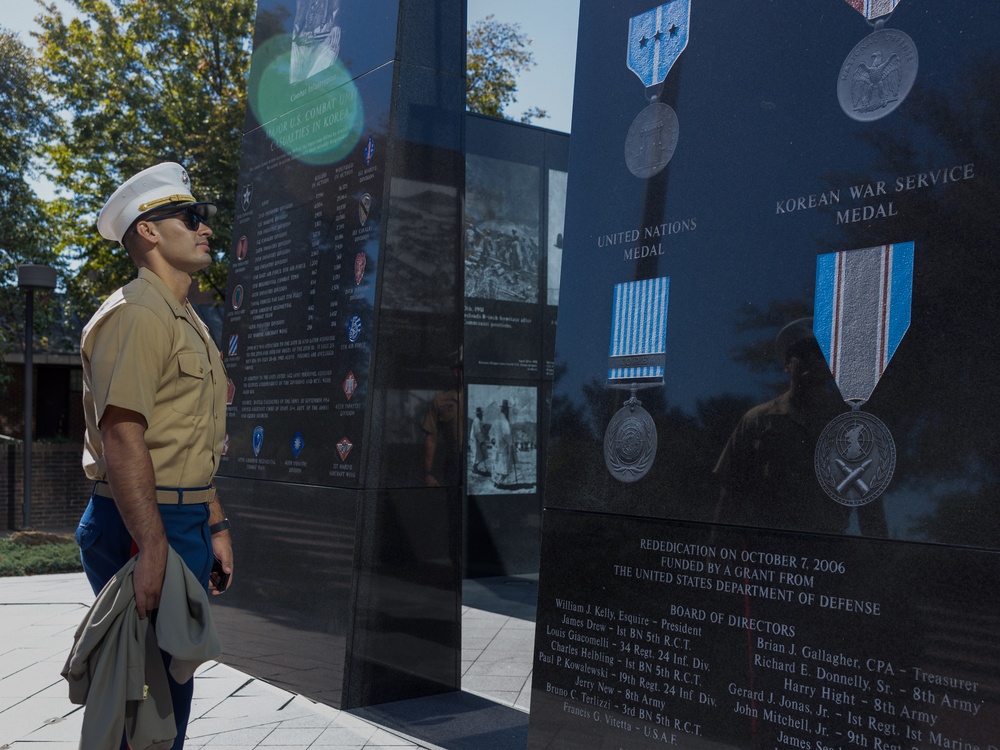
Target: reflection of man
504 461
315 38
478 440
767 468
154 399
443 431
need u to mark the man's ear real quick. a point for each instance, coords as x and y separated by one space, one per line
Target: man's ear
146 229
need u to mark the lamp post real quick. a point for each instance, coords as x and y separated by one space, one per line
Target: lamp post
30 278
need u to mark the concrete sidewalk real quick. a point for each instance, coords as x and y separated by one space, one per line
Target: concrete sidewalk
39 614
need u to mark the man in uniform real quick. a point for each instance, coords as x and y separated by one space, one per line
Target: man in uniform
767 469
444 429
154 397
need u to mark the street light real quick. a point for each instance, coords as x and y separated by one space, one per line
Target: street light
30 278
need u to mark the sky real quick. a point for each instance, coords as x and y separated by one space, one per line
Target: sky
550 24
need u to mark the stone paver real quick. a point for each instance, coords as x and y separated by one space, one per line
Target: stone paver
39 614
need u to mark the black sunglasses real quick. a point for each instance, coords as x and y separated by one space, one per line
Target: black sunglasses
191 218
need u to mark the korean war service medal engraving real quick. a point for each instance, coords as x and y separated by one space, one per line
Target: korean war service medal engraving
862 311
637 360
656 39
879 72
855 458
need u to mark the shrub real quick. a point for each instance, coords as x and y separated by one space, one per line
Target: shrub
28 553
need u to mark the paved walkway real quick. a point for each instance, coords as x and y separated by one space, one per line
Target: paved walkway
39 614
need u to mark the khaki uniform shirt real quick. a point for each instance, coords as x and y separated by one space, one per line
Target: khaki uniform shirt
145 351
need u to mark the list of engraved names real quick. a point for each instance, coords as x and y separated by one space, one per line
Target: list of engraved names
798 681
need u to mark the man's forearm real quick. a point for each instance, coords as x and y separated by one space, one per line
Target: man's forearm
133 483
133 486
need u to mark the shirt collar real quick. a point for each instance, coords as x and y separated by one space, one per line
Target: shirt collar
179 308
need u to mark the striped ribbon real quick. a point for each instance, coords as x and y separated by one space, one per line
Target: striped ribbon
873 8
862 311
639 330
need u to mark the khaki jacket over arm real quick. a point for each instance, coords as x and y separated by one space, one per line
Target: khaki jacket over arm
116 657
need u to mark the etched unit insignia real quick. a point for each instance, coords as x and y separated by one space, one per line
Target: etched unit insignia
344 448
360 261
350 385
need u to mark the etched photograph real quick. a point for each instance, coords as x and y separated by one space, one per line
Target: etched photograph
315 38
501 230
503 439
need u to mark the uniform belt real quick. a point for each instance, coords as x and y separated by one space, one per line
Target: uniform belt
168 495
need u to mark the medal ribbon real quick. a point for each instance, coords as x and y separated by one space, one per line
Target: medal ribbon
639 330
656 39
873 8
862 311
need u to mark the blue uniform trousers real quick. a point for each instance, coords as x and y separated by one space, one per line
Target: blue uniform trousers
106 545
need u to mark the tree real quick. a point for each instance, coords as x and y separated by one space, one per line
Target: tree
496 53
25 231
25 122
142 83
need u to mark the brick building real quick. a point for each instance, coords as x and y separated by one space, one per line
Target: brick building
60 489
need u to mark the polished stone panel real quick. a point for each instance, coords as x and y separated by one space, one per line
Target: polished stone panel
343 314
697 635
814 227
288 615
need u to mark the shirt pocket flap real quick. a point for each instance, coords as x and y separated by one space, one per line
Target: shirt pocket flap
193 364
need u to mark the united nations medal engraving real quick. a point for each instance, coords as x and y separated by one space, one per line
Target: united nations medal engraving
855 458
630 442
651 140
877 75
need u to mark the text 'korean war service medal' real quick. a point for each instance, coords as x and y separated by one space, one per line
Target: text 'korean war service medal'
862 311
637 360
880 71
655 41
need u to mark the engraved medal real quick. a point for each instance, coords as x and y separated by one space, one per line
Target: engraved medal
855 458
630 442
879 72
862 311
656 39
637 360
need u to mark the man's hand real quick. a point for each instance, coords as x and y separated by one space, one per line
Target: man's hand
147 578
222 544
222 547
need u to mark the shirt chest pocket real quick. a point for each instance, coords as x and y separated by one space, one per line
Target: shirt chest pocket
193 384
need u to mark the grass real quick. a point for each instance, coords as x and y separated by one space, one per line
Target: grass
29 553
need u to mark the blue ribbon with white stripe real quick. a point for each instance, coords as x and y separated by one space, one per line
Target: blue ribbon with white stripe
656 39
861 312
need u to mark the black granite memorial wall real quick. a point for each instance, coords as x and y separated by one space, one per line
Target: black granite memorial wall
770 518
344 313
515 199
